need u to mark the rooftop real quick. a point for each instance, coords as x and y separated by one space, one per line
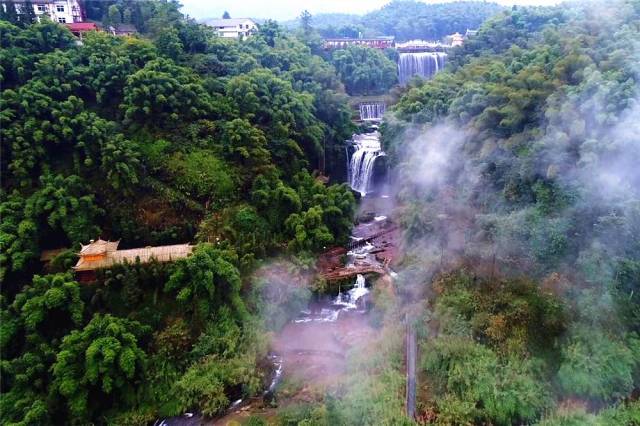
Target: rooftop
82 26
104 254
99 246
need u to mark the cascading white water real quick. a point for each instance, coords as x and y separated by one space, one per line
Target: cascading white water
343 302
424 64
361 162
372 111
350 299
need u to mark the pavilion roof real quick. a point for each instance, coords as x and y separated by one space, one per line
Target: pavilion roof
99 246
145 255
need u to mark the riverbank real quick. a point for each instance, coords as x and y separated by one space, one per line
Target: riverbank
317 347
316 350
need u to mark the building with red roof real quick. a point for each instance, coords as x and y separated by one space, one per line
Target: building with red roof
78 28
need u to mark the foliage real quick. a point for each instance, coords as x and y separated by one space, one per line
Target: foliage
407 20
598 366
163 92
78 116
515 162
364 70
512 316
32 327
204 385
170 136
488 362
622 414
279 292
49 296
206 281
468 375
201 175
102 359
373 393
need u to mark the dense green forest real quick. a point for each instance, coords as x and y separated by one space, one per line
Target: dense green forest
365 70
527 215
514 174
407 20
174 137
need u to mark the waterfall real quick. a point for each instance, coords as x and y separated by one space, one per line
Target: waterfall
360 164
424 64
372 111
350 300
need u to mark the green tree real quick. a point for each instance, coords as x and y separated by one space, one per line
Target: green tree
169 44
364 70
598 366
288 120
67 205
46 309
246 146
202 175
163 94
18 236
306 21
204 383
226 15
409 20
102 359
308 230
469 376
50 306
27 13
206 281
114 15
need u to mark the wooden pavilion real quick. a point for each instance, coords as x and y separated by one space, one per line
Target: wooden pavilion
103 254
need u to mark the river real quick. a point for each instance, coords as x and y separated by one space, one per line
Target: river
310 353
314 347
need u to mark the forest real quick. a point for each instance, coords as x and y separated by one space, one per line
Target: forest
531 199
174 137
407 20
514 183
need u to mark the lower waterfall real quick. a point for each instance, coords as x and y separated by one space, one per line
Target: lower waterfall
361 162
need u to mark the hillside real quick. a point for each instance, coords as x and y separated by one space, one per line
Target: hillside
406 20
171 138
488 228
520 201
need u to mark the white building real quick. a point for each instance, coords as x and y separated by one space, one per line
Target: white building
457 39
62 11
233 27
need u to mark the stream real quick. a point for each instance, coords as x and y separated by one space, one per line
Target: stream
311 350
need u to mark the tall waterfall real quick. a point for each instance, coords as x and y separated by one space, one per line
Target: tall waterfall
424 64
361 162
372 111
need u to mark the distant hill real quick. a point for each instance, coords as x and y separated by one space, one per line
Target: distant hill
325 20
406 20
